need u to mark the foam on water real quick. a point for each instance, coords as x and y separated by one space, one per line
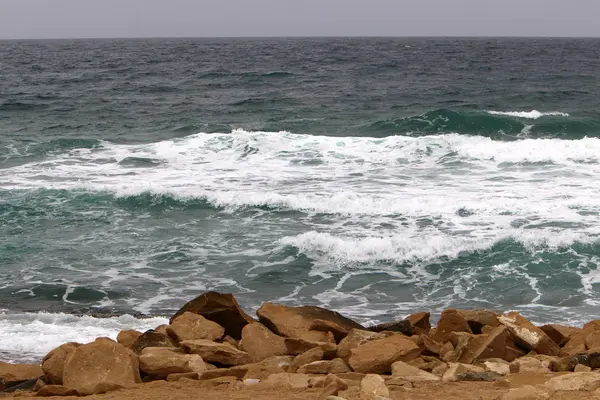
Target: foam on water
33 335
534 114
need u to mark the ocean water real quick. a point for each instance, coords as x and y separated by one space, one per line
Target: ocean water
374 176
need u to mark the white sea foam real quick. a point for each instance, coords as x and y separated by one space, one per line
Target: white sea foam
33 335
534 114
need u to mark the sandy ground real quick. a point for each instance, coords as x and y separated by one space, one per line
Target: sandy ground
194 390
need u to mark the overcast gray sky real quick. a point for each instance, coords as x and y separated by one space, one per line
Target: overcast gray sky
165 18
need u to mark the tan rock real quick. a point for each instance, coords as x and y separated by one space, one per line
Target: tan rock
339 332
159 362
286 381
479 318
296 346
582 368
183 375
529 335
402 370
420 323
373 387
332 386
497 365
296 321
190 326
492 345
216 353
100 362
445 349
225 381
162 329
355 338
576 343
150 338
38 385
460 339
592 341
317 336
576 381
239 372
528 365
560 334
450 321
13 374
428 346
377 356
128 337
56 390
220 308
312 355
512 353
351 376
105 387
54 362
454 370
231 341
266 367
335 366
440 370
260 343
526 393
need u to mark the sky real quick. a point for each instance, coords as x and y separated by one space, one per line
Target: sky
30 19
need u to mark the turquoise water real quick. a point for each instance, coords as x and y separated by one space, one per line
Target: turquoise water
374 176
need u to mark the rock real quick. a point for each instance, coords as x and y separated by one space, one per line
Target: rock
312 355
297 346
512 353
271 365
491 345
428 346
216 353
479 318
529 335
150 338
286 381
260 343
454 371
100 362
460 339
440 370
38 385
13 374
339 332
592 341
560 334
450 321
231 341
445 349
403 326
220 308
21 385
351 376
529 365
159 362
355 338
183 375
372 387
105 387
402 370
587 381
56 390
377 356
482 376
190 326
54 362
239 372
295 321
335 366
499 366
526 393
225 381
576 343
317 336
582 368
420 323
332 386
128 337
162 329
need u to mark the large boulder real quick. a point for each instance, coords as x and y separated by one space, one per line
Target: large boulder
576 381
128 337
54 362
295 322
420 322
13 374
377 356
190 326
529 365
355 338
216 353
592 341
450 321
339 332
400 369
560 334
160 362
100 364
260 343
576 343
529 335
220 308
491 345
150 338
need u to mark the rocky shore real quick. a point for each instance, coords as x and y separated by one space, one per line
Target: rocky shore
213 349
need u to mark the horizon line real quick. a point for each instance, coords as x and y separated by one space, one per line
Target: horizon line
302 37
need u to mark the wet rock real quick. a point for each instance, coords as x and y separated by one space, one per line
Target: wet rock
295 321
450 321
220 308
216 353
529 335
377 356
260 343
190 326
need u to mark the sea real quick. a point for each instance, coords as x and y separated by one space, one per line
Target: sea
373 176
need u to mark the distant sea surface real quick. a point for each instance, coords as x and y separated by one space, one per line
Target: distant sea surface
374 176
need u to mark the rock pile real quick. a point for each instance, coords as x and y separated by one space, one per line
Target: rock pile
212 339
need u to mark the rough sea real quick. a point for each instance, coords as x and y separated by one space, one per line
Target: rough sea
373 176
